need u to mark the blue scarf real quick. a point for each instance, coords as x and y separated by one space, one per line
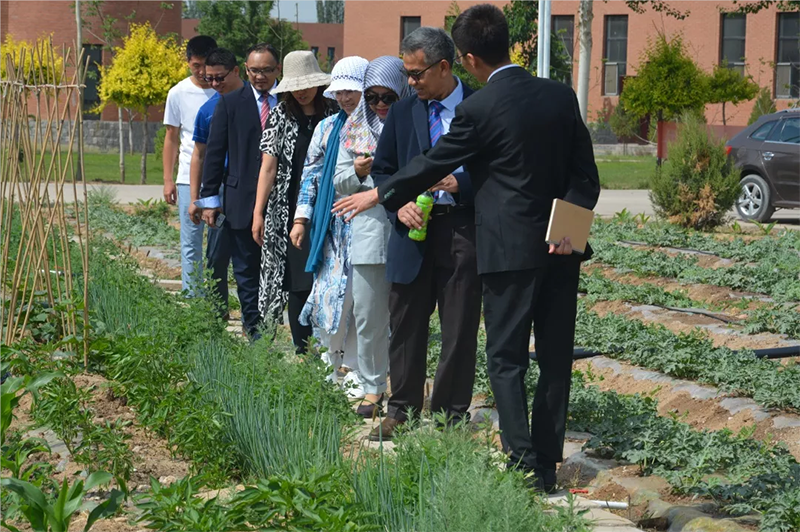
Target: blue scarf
321 218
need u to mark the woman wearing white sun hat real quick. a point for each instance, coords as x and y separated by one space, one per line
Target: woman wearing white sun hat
329 308
284 144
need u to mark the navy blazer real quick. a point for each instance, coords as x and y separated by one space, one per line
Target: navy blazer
235 132
405 135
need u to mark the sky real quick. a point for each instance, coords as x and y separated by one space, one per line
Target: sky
306 10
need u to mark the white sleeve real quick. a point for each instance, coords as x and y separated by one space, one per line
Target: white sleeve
172 111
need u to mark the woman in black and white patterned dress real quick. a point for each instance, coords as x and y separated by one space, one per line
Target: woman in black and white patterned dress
284 144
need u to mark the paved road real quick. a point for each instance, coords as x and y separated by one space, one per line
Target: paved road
611 201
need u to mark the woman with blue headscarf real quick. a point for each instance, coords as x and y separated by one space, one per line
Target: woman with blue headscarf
329 307
384 84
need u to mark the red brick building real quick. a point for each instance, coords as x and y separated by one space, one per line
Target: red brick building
764 45
27 20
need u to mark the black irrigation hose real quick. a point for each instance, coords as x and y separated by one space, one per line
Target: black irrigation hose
772 353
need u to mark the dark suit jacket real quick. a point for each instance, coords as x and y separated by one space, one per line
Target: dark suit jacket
405 135
235 132
524 142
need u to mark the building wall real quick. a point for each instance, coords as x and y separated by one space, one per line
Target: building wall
372 32
29 20
322 37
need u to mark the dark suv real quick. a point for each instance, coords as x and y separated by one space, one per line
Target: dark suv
767 153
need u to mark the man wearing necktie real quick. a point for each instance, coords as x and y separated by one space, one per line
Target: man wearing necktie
442 270
236 127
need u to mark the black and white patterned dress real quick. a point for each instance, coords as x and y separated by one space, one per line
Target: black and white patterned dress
280 139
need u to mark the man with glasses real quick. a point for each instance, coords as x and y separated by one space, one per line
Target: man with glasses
222 73
442 269
236 127
183 102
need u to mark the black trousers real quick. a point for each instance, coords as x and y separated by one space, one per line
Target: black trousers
448 276
300 333
218 258
246 258
512 300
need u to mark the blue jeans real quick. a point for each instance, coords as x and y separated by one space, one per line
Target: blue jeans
191 243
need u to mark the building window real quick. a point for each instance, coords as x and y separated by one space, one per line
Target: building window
331 55
615 53
315 51
732 35
787 67
564 31
408 24
93 55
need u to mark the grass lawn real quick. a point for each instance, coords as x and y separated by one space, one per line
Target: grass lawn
105 167
616 171
625 171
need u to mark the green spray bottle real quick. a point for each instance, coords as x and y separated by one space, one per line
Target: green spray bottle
425 204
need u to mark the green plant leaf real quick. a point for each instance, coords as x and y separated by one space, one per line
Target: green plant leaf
105 509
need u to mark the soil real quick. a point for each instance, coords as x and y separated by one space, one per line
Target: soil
699 413
682 322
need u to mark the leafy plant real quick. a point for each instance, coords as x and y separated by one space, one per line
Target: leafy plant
47 513
764 105
10 393
695 187
726 85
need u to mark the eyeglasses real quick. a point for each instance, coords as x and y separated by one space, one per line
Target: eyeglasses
373 98
262 71
218 79
416 75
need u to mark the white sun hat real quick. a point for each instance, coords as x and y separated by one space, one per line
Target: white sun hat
301 71
347 75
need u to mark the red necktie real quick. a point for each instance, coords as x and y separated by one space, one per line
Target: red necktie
264 110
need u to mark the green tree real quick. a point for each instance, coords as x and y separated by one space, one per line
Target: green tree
239 25
668 82
624 125
141 74
726 85
764 105
330 11
695 187
523 27
755 7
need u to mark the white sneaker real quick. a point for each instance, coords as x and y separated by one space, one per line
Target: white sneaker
334 362
353 386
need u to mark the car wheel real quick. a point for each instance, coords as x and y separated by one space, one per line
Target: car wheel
755 201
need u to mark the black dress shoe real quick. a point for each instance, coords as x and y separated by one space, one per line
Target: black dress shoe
545 480
369 410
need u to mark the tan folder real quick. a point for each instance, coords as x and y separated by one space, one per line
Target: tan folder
569 220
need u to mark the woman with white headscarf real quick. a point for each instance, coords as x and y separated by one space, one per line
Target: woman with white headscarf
329 307
384 84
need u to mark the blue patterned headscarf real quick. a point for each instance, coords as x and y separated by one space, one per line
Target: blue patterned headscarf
364 127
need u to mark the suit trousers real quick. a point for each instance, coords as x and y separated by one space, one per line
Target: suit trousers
218 258
448 276
246 258
548 297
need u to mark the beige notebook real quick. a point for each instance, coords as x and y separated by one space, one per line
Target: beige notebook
569 220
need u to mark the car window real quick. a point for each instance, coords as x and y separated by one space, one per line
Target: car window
762 132
787 131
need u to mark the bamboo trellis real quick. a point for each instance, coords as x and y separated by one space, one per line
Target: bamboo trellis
36 172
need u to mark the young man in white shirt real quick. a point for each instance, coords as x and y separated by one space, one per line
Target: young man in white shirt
183 102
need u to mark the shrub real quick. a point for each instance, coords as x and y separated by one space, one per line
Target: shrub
764 105
696 186
158 143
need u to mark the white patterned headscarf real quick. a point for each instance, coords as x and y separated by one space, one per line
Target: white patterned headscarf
364 127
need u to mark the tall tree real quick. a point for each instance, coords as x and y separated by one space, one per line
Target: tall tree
755 7
726 85
239 25
523 22
330 11
143 70
668 82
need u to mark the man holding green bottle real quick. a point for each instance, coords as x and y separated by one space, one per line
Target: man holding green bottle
431 263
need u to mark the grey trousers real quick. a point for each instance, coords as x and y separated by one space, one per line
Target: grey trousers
371 311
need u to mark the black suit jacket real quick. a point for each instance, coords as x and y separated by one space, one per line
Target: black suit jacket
236 133
524 143
405 135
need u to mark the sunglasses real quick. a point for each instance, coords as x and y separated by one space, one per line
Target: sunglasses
373 98
262 71
218 79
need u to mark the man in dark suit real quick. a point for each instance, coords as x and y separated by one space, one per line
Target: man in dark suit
441 269
524 143
236 127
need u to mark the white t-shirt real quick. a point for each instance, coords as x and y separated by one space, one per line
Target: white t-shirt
183 102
